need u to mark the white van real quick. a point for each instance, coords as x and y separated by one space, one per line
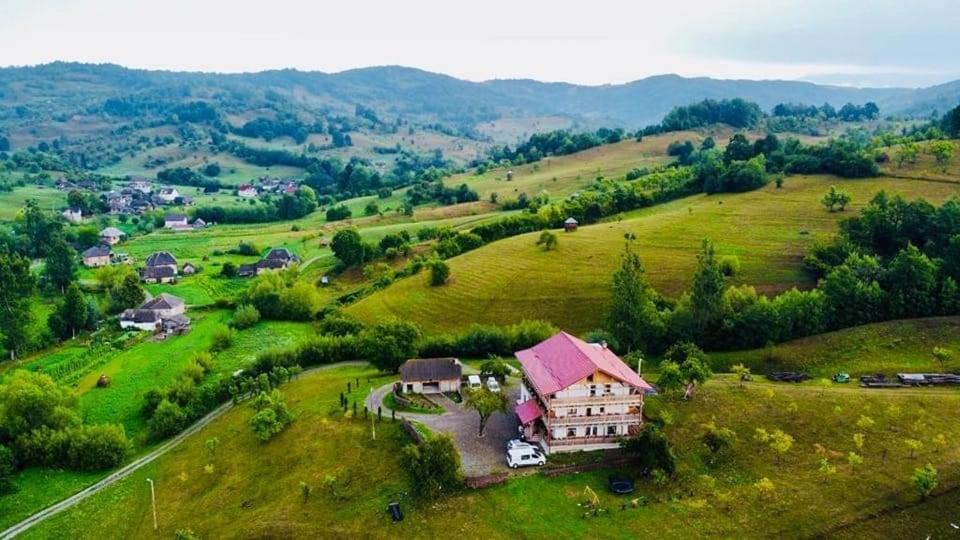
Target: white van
525 457
473 382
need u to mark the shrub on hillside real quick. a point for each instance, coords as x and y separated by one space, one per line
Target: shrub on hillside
730 265
482 340
433 467
222 339
439 272
245 316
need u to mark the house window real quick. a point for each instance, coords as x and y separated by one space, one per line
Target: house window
593 390
611 430
589 411
590 378
592 430
571 432
607 389
602 409
572 411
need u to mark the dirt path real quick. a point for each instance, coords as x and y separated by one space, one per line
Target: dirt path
136 464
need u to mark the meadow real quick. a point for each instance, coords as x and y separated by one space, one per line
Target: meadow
247 488
769 230
48 198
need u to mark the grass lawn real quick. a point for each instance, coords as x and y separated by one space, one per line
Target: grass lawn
133 371
11 202
887 347
769 230
253 488
420 404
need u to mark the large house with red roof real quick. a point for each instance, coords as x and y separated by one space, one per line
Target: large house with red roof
577 395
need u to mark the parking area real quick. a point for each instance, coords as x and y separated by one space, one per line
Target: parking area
479 455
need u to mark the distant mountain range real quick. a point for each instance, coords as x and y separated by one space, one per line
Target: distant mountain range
425 96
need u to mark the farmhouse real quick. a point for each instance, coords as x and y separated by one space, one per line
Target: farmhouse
112 235
188 269
570 224
198 223
247 191
158 274
142 185
276 259
96 256
141 319
162 258
577 395
73 215
168 194
167 305
430 375
175 221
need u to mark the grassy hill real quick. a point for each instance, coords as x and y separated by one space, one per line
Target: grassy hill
769 230
886 347
251 489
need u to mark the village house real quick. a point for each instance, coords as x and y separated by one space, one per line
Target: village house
577 395
247 191
142 185
276 259
164 312
430 375
65 185
112 236
168 195
198 223
570 224
175 221
141 319
96 256
188 269
165 304
73 215
161 267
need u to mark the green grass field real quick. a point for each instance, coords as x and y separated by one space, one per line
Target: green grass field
769 230
253 488
11 202
888 347
144 365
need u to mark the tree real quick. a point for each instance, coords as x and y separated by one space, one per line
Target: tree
633 318
496 368
388 345
350 248
706 299
742 372
439 272
670 378
126 294
826 469
854 459
228 270
433 466
913 445
651 450
245 316
836 199
7 467
907 153
925 480
73 314
485 403
942 152
717 439
777 440
17 284
943 357
272 415
548 241
61 265
32 401
212 169
168 419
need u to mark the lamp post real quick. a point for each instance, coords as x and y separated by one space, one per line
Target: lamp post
153 502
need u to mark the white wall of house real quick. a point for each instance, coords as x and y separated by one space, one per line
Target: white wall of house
147 327
92 262
417 387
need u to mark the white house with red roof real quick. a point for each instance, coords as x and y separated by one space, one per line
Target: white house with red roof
247 191
577 395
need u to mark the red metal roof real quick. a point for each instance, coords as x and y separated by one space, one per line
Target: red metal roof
563 359
528 411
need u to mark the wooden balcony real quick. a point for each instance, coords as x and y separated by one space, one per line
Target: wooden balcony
573 441
596 419
599 399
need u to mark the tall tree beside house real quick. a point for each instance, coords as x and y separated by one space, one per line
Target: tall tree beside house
433 466
128 293
61 265
707 296
633 318
485 403
390 344
35 231
16 286
73 314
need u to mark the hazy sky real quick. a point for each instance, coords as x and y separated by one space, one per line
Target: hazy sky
878 42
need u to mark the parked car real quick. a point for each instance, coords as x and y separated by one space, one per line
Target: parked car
473 382
493 385
517 443
525 457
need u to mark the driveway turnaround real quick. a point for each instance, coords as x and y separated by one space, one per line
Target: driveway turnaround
479 455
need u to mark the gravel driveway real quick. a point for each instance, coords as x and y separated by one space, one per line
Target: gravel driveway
479 455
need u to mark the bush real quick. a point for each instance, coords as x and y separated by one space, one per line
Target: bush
7 466
340 324
729 265
482 340
272 417
245 316
222 339
338 213
433 466
439 272
168 419
247 248
228 270
651 450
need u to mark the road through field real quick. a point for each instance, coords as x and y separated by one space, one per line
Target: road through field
135 465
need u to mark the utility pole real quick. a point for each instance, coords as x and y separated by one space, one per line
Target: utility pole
153 502
373 420
639 364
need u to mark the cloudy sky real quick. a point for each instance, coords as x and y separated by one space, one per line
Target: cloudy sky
866 42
